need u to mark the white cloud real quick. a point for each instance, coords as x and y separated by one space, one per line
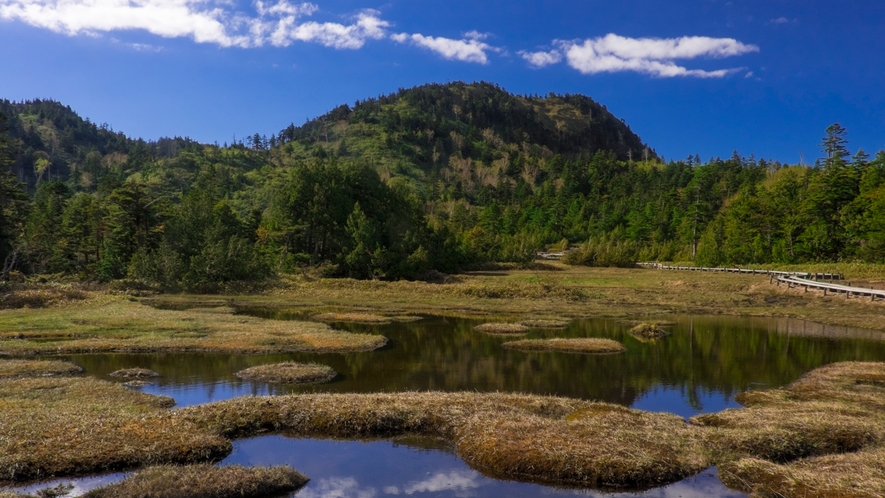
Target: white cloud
541 59
204 21
466 50
613 53
456 480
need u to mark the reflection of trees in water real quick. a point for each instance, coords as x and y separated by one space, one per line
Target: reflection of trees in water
703 355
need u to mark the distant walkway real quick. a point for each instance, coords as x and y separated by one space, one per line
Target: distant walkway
799 274
830 288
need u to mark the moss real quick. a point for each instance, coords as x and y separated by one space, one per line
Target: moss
502 328
289 373
579 345
204 481
36 368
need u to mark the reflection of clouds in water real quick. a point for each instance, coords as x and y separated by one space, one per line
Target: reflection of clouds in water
336 487
459 481
81 486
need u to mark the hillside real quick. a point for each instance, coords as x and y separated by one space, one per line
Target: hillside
432 179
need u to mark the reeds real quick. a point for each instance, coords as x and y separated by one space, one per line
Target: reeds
204 481
591 345
289 373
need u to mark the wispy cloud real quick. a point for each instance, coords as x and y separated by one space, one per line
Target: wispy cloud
541 59
471 48
204 21
654 56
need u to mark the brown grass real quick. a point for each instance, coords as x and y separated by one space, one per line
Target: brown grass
289 373
69 426
116 325
535 438
545 323
10 369
502 328
41 296
649 330
592 345
134 373
204 481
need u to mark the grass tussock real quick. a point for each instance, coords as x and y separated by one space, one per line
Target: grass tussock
502 328
534 438
204 481
11 369
591 345
823 435
857 475
649 330
134 373
42 296
71 426
289 373
545 323
124 326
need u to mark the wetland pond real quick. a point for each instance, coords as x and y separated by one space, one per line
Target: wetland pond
698 368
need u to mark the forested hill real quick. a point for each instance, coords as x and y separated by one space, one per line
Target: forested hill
434 178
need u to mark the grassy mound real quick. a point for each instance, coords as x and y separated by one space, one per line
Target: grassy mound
544 323
36 368
535 438
649 330
204 481
134 373
580 345
124 326
502 328
69 426
289 373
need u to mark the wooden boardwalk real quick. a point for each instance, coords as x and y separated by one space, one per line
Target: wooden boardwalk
800 274
793 281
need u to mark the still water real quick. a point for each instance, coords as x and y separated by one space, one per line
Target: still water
699 368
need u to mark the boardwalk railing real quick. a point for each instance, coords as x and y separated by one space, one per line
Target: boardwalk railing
848 290
801 274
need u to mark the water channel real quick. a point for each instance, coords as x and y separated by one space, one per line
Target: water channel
699 368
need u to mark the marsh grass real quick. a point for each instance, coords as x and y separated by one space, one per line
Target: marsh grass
134 373
649 331
545 323
36 368
591 345
502 328
289 373
814 437
69 426
533 438
119 325
204 481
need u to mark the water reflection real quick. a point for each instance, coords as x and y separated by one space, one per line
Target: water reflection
699 368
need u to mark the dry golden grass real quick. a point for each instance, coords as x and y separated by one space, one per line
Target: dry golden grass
204 481
116 325
289 373
502 328
134 373
833 419
68 426
545 323
36 368
41 296
649 330
535 438
590 345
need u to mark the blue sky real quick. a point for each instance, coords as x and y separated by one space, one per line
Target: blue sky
700 77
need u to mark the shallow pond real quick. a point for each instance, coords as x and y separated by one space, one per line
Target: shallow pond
699 368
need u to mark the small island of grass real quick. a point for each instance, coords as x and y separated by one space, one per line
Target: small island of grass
502 328
579 345
289 373
12 369
544 323
649 330
134 373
